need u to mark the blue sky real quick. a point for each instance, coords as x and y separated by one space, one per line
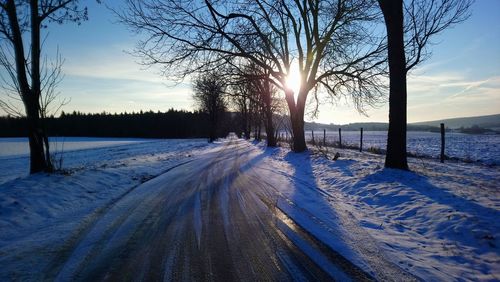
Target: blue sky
462 78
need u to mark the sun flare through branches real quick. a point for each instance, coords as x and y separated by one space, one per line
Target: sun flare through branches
292 81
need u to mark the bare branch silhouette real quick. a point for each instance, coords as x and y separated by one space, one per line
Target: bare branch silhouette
208 94
332 42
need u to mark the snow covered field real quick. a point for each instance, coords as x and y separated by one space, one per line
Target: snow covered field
18 146
439 222
484 148
93 178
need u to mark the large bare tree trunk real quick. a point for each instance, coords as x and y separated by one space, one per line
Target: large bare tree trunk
39 158
299 141
297 120
396 139
38 135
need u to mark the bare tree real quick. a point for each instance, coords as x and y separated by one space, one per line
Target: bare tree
262 87
51 76
18 18
254 88
209 92
240 99
410 27
328 41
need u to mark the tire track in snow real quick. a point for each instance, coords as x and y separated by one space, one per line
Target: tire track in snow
205 220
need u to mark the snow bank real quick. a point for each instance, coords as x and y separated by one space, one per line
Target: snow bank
484 148
438 222
19 146
92 179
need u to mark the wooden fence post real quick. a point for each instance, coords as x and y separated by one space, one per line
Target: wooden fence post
324 137
361 141
312 134
340 138
442 143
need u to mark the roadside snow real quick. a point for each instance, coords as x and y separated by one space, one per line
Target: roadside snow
438 221
92 179
19 146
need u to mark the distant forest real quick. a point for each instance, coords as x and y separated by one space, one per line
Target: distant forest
170 124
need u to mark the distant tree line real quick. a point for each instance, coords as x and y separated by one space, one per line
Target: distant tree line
170 124
475 129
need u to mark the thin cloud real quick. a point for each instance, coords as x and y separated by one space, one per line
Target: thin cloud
479 89
111 62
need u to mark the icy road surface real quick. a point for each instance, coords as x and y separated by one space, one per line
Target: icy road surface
234 210
202 220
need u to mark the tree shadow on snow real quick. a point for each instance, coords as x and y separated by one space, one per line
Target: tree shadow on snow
300 199
309 207
476 216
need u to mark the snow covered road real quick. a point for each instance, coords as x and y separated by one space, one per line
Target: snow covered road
202 220
184 210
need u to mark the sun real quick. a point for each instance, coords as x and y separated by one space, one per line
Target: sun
292 81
